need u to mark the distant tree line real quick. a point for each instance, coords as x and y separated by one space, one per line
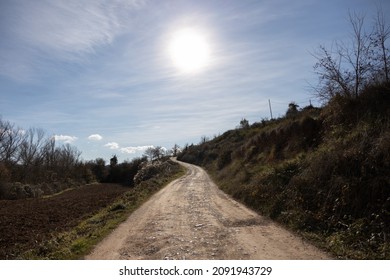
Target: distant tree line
33 164
124 173
120 173
30 156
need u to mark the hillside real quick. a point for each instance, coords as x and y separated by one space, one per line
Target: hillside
323 172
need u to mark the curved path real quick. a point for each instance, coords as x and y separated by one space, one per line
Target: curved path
192 219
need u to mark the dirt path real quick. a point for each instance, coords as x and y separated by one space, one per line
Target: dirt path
192 219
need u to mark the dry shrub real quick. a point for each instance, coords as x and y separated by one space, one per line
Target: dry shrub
224 159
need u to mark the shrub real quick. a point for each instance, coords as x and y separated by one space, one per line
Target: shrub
153 169
224 159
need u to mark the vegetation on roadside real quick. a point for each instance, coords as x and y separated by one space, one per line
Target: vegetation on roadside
78 241
324 172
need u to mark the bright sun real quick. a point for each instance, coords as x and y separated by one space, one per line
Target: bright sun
189 50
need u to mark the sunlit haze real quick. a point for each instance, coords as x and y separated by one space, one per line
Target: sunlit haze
117 77
189 50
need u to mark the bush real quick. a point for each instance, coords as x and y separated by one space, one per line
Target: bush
125 172
154 169
224 159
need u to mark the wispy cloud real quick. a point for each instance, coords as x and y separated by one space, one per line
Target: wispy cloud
82 67
47 31
95 137
65 138
71 26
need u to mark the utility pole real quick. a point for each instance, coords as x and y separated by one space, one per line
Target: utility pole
270 109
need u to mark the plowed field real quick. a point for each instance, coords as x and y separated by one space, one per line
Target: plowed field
28 222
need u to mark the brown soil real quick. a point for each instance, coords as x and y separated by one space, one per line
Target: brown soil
26 223
192 219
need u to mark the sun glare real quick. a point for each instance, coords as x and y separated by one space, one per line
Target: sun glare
189 50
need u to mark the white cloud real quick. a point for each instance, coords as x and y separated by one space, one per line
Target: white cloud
95 137
133 150
58 30
71 26
65 138
112 145
127 150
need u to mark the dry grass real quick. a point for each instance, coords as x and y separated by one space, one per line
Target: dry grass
324 172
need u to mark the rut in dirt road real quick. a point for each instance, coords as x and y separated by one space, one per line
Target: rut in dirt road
192 219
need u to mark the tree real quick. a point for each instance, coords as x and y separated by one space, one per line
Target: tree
358 55
10 140
346 68
203 140
154 153
292 109
98 167
70 156
48 152
29 156
149 153
175 150
244 123
332 81
158 152
113 161
381 52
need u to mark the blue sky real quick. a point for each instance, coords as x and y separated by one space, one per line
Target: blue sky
98 74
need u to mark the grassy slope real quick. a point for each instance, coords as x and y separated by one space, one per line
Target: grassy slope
323 172
77 242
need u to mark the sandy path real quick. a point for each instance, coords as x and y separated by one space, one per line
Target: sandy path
192 219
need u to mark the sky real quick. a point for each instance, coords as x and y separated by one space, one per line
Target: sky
102 75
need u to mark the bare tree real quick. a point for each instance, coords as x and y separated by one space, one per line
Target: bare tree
154 153
10 139
158 152
31 145
31 157
149 153
346 68
332 79
48 152
358 55
379 39
203 140
175 150
70 156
